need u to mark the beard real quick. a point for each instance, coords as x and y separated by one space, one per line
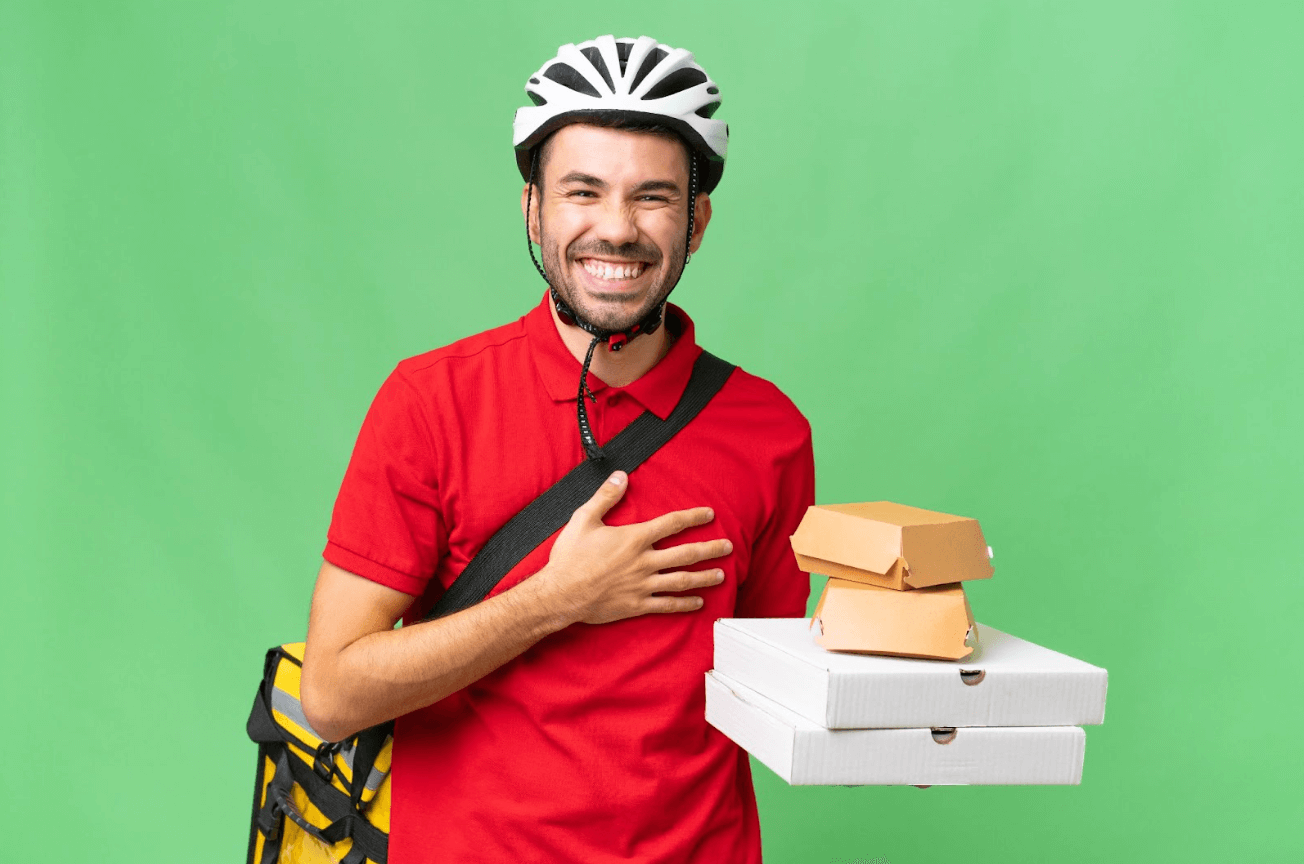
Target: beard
614 311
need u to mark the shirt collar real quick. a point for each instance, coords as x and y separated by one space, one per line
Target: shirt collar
658 390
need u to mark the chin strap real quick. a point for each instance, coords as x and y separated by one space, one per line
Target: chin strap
615 340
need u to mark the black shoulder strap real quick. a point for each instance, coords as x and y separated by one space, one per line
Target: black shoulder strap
546 514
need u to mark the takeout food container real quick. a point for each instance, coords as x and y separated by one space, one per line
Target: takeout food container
891 545
805 753
1006 681
934 622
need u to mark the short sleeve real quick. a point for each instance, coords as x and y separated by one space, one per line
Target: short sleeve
387 525
775 587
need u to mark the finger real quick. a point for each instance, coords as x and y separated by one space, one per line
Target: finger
690 553
663 605
675 521
684 580
608 494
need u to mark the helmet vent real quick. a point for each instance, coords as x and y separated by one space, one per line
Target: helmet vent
539 100
706 110
623 48
566 76
595 57
680 79
655 56
713 90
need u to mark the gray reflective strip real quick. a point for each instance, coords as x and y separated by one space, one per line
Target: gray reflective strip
290 707
374 779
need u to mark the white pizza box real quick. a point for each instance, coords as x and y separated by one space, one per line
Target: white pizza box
1006 681
806 754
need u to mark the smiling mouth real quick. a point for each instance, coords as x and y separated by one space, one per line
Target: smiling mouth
613 271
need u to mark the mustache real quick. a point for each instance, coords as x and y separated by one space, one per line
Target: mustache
628 251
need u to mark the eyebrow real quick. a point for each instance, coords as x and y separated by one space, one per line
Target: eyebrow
656 186
599 183
586 179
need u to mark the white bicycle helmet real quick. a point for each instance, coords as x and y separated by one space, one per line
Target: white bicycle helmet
638 79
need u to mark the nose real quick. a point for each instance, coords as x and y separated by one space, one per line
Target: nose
616 224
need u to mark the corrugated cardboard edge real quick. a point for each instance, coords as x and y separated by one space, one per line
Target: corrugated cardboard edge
767 735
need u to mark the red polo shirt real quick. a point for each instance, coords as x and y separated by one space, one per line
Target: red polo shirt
592 745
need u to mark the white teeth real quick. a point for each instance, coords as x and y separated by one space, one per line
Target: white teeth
609 271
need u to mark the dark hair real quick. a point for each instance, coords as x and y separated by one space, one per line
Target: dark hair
629 124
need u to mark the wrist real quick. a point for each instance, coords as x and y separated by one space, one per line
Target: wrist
541 599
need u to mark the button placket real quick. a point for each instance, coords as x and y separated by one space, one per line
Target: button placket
609 404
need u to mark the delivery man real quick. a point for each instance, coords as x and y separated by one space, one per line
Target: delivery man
562 718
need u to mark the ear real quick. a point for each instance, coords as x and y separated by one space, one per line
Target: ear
701 216
531 215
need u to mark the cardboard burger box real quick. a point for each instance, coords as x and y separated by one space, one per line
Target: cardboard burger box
894 574
934 623
1006 681
805 753
890 545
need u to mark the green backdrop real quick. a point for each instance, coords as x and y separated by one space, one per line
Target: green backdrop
1037 263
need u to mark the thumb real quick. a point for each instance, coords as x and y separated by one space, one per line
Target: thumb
607 496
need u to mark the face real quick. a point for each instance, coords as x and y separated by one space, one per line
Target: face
614 217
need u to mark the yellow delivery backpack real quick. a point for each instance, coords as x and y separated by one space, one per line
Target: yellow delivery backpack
321 802
315 801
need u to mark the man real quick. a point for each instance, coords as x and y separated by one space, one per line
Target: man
562 718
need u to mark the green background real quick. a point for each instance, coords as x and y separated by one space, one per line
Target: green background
1037 263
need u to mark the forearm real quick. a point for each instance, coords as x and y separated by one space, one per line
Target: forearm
359 671
384 674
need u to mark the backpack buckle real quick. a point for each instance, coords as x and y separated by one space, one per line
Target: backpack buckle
323 761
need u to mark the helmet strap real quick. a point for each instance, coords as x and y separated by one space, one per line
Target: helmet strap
529 200
591 448
692 206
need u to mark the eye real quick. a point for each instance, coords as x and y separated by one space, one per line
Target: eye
663 199
580 193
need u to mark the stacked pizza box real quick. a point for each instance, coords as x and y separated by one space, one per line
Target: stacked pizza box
891 681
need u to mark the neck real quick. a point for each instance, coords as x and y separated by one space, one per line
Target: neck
615 368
